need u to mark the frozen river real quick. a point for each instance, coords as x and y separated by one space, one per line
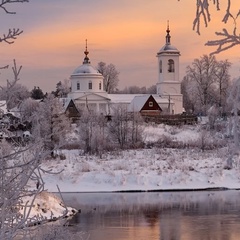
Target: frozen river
198 215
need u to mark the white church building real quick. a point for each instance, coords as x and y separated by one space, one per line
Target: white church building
87 85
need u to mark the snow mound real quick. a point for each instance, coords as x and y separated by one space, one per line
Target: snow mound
45 207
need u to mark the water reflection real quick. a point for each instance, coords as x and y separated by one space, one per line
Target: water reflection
209 215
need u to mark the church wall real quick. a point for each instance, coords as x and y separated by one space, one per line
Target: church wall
168 88
165 75
84 81
95 106
96 99
174 105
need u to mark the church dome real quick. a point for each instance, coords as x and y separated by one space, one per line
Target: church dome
86 78
168 48
86 68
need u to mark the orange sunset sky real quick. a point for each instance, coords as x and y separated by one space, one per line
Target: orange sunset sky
127 33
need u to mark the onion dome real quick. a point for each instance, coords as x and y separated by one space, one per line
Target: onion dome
86 67
168 48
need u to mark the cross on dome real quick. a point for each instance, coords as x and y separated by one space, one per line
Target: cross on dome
86 59
168 37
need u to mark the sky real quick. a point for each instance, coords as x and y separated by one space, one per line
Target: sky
126 33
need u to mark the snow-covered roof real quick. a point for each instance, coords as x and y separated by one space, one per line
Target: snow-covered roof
65 102
137 103
122 98
85 69
168 48
127 98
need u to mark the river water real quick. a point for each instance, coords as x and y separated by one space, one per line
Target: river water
193 215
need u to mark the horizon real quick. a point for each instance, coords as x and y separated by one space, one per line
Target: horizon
126 34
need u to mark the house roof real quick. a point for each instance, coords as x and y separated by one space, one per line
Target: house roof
87 94
65 102
127 98
137 103
122 98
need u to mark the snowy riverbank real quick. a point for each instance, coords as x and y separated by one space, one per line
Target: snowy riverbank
157 167
154 168
142 170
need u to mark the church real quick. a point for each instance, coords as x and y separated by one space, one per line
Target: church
87 90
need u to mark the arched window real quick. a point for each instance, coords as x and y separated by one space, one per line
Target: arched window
100 85
78 85
160 66
90 85
170 65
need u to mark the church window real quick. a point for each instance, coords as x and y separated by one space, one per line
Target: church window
170 65
160 66
78 85
100 86
90 85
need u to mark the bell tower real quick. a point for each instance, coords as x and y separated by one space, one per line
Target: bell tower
168 84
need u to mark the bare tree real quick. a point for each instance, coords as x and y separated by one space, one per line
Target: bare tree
188 95
19 165
12 33
28 109
62 89
206 83
223 83
14 92
213 113
228 38
50 124
125 129
136 129
93 132
202 73
234 102
119 126
110 76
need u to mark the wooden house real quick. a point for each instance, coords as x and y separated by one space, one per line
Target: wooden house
146 105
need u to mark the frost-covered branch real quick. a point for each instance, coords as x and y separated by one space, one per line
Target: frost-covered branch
13 184
5 2
4 67
228 41
11 35
202 10
13 92
203 14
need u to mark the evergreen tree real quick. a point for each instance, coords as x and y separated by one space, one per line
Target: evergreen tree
37 93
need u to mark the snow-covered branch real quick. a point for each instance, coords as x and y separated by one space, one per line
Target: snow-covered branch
202 10
11 35
228 41
5 2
